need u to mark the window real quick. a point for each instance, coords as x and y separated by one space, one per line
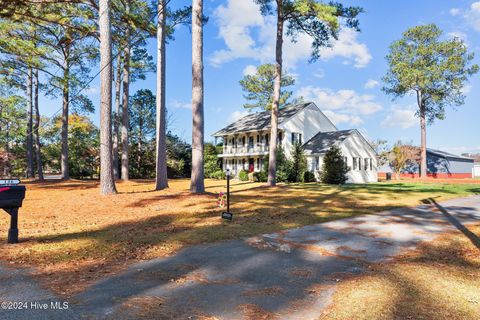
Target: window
317 163
258 163
371 165
243 140
296 138
355 163
250 142
366 163
345 162
279 138
258 139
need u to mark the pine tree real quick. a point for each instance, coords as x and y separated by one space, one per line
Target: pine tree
320 21
334 169
299 164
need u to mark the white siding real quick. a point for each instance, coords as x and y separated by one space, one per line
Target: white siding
354 147
308 122
476 170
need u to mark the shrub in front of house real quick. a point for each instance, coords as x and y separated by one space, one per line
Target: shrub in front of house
219 175
283 166
334 169
309 176
243 175
298 165
260 176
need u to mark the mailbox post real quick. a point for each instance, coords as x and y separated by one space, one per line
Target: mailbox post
228 215
11 198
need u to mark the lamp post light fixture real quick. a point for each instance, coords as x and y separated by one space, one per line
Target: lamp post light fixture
228 215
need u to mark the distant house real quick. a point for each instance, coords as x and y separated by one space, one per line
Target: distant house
246 142
476 170
440 164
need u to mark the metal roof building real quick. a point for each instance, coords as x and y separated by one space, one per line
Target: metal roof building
440 164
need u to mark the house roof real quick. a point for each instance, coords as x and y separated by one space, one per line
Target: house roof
444 154
260 120
322 141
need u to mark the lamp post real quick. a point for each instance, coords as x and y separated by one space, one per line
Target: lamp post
228 215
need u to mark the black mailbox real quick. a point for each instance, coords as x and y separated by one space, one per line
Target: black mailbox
11 198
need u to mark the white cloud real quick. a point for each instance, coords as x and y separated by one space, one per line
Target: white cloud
342 106
466 89
460 36
370 84
338 118
249 70
472 15
236 115
402 117
458 150
250 35
345 100
181 105
348 47
320 73
454 11
92 91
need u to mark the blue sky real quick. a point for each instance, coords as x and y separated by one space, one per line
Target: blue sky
345 83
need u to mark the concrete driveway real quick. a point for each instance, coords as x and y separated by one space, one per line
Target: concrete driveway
285 275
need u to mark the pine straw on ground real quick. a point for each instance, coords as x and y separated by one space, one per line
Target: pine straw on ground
438 280
72 234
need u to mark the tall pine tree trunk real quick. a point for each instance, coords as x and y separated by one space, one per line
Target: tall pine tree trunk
65 111
36 127
107 183
161 179
116 118
272 159
423 136
126 87
30 166
197 179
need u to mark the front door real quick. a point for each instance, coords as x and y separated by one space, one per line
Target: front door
251 165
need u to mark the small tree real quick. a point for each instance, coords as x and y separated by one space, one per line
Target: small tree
402 155
299 164
282 163
213 168
381 148
334 169
258 87
434 70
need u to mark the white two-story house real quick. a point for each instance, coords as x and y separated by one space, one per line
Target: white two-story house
246 142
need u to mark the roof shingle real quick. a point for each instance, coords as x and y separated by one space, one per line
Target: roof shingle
322 141
260 120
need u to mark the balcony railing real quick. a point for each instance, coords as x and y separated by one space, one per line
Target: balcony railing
243 149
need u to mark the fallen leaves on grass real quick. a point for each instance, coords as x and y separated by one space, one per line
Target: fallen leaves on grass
438 280
72 234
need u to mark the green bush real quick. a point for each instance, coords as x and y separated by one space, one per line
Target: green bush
283 166
334 169
219 175
212 164
260 176
243 175
298 164
309 176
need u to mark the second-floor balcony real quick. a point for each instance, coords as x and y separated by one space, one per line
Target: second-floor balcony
245 150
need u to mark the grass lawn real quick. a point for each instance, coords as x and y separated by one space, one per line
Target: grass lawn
439 280
72 234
